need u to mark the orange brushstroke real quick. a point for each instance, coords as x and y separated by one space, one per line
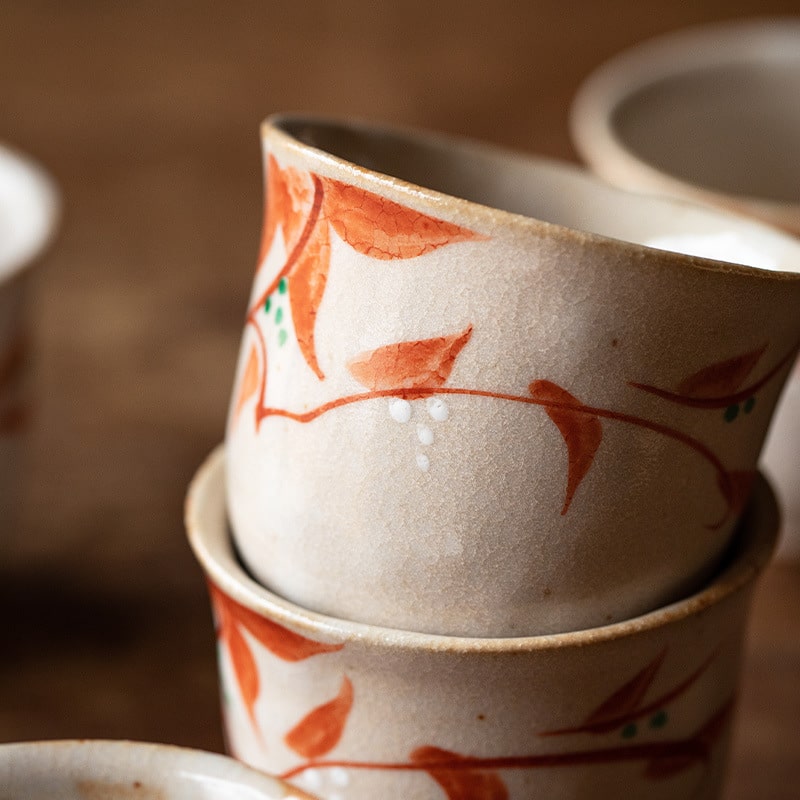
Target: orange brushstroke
280 641
582 432
459 784
306 288
250 380
409 365
383 229
722 378
288 194
320 730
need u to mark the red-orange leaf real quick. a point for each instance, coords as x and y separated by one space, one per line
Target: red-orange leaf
288 194
383 229
581 431
722 378
249 382
320 730
306 287
244 667
280 641
625 700
460 782
409 365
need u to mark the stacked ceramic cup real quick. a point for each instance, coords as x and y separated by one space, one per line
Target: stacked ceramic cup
487 519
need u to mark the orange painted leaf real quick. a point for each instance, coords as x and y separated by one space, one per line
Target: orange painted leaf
244 667
625 701
288 194
409 365
380 228
250 380
320 730
459 782
306 287
722 378
581 431
280 641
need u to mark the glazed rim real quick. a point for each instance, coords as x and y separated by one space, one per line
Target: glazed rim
673 55
29 204
102 760
501 172
210 539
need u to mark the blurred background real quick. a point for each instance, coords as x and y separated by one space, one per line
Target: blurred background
147 115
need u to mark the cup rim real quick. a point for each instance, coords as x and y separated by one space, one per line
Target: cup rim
49 757
276 129
42 192
670 55
209 536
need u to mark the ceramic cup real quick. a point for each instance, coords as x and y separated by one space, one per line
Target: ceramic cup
710 114
119 770
639 709
28 215
451 416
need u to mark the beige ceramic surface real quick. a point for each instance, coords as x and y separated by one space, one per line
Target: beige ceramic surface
641 709
711 114
119 770
28 211
456 419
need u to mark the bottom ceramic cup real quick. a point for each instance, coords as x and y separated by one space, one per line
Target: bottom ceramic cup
118 770
638 709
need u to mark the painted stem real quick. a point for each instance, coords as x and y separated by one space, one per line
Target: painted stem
419 392
696 748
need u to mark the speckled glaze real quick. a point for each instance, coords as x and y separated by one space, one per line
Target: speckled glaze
728 92
456 419
120 770
641 709
28 217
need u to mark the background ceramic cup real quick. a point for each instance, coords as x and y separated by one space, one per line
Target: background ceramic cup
457 419
639 709
711 114
119 770
28 213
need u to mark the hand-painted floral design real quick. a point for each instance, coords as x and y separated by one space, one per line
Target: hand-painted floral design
307 207
464 777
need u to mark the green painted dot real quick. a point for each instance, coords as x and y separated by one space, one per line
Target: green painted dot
748 404
629 731
659 719
731 412
267 304
278 315
282 286
282 337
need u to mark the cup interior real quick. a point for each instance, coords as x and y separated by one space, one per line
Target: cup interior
541 190
714 107
28 211
120 770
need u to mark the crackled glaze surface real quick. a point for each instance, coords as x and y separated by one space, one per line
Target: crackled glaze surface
455 419
641 709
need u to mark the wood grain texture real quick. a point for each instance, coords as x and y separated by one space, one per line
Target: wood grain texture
147 114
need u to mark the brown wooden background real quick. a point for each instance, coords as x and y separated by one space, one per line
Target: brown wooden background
147 114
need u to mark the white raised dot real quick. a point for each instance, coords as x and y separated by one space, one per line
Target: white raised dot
400 410
423 462
424 434
339 776
311 779
438 409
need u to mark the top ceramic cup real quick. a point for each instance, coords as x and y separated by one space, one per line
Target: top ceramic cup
711 114
474 398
